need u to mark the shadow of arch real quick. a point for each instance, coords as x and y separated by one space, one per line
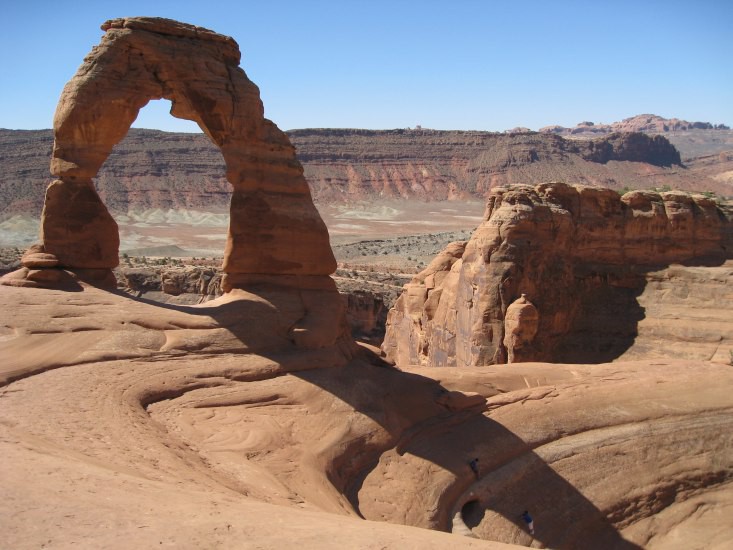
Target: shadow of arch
444 441
274 226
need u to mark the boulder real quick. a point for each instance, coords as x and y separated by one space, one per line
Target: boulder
520 328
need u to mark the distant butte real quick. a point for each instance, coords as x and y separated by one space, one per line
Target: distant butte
651 124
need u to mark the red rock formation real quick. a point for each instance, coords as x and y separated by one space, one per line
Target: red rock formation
520 328
429 165
580 255
633 147
652 124
274 228
153 169
276 236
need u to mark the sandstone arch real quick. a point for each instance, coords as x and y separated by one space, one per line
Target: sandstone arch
274 226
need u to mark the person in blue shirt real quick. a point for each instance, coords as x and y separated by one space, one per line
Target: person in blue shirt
474 466
529 521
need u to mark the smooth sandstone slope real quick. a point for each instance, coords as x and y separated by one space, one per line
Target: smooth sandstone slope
120 417
90 455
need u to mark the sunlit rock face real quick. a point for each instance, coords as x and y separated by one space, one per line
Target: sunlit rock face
582 256
274 228
276 237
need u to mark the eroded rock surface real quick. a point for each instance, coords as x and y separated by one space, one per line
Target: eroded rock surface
582 256
653 124
520 328
364 309
274 227
119 417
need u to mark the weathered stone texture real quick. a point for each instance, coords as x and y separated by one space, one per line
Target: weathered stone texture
579 254
520 328
275 228
276 236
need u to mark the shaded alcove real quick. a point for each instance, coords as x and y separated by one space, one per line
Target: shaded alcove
472 513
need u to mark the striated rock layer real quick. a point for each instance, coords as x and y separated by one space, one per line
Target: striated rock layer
581 256
344 164
274 229
150 169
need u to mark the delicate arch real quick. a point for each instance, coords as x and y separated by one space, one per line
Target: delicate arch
274 227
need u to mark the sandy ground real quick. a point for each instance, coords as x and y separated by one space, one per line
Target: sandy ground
204 233
131 424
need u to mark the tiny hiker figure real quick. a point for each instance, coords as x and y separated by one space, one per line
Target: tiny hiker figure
474 466
528 520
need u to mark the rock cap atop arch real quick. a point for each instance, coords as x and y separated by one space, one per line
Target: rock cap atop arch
161 25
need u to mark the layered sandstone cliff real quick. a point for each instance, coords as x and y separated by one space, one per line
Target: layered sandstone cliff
160 170
436 165
583 257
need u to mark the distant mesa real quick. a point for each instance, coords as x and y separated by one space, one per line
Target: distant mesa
151 170
651 124
518 130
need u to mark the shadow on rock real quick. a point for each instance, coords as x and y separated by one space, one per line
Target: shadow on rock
427 453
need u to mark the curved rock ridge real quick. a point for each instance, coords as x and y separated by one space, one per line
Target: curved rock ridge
581 256
274 228
121 416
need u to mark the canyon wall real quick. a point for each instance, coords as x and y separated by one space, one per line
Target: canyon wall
581 256
437 165
150 169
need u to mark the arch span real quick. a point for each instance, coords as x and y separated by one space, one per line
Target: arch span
274 227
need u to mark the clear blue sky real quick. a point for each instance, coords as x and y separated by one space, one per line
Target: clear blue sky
460 64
